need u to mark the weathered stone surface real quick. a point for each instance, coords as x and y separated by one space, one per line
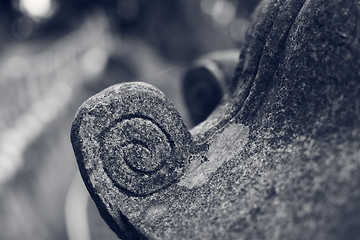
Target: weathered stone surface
279 159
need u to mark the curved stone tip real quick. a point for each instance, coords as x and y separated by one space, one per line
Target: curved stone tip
130 136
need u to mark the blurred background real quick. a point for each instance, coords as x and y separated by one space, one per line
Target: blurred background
57 53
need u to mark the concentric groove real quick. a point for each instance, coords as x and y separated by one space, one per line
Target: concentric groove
133 135
144 133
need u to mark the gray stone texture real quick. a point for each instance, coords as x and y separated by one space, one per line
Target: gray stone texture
279 159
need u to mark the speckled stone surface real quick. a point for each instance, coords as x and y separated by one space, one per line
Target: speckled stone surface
280 159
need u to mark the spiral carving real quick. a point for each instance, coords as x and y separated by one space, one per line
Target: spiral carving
135 136
136 149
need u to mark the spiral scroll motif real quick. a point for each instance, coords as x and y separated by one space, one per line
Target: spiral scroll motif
137 150
134 135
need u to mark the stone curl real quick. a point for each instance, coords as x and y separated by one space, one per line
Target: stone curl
139 139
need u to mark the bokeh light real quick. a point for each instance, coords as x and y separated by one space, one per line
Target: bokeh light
37 9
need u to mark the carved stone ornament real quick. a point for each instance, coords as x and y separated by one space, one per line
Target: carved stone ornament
279 158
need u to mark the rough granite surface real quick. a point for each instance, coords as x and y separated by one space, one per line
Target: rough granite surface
279 159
